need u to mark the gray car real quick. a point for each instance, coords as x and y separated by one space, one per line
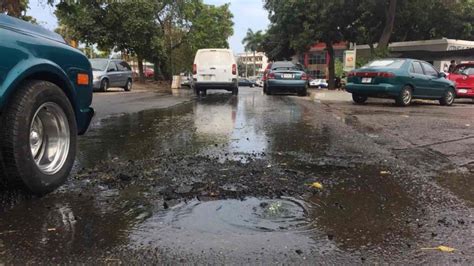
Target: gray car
111 73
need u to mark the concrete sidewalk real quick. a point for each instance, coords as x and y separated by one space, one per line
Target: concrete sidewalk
329 95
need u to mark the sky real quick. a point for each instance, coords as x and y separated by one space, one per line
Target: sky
247 14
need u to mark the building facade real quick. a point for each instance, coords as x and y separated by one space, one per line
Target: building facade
316 59
439 45
261 60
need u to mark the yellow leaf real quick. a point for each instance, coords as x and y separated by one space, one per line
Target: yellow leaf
441 248
316 185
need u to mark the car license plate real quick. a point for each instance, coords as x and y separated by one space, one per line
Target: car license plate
206 77
287 76
462 91
366 80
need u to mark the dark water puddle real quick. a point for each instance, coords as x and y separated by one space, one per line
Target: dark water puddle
460 184
365 209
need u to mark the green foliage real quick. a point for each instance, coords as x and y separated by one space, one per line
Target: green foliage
166 32
339 68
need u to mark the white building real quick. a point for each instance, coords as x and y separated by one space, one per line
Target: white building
439 45
247 58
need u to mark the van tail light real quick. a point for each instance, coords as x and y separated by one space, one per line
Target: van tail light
271 75
234 69
194 69
304 76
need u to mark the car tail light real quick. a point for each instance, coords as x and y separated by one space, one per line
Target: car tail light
271 75
304 76
373 74
194 69
351 74
386 74
234 69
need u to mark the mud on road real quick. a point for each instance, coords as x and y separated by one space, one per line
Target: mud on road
228 179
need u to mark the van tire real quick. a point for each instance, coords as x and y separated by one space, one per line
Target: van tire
235 91
20 171
203 92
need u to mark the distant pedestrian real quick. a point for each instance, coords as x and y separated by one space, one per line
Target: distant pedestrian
445 68
452 66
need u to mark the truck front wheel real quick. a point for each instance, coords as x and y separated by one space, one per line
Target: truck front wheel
37 138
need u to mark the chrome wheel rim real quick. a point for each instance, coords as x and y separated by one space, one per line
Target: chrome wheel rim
49 138
449 97
406 96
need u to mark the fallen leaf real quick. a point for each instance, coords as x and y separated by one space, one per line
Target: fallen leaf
316 185
441 248
51 229
385 172
269 166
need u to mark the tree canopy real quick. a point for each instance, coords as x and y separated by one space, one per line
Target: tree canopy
151 30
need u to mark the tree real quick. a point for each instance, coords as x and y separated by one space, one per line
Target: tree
16 8
307 22
253 42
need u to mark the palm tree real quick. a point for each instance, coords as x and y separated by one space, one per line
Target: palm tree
253 43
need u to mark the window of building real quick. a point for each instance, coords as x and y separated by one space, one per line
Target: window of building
317 59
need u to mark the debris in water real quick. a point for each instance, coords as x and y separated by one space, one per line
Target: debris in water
316 185
441 248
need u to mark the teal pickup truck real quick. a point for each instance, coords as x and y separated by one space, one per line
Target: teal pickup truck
45 98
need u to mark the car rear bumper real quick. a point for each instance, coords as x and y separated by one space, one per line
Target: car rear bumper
215 85
84 117
375 90
286 85
465 92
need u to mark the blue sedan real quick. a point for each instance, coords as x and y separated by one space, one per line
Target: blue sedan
285 77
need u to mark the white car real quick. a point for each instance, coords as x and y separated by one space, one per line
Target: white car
215 69
318 83
259 81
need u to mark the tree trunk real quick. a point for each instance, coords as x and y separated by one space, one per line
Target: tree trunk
372 49
140 69
254 64
331 65
156 69
389 22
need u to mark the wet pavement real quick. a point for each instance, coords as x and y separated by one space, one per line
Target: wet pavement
225 179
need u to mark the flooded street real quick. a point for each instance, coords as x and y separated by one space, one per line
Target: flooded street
226 179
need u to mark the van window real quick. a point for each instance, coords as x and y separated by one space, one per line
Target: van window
212 58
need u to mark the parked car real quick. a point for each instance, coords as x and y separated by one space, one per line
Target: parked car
400 79
186 80
111 73
318 83
259 81
215 69
284 76
45 98
463 77
149 73
245 83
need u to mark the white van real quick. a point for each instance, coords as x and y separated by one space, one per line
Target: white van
215 69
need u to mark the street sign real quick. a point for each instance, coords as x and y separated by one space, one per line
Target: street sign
349 60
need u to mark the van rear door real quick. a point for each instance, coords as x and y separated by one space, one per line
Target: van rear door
214 66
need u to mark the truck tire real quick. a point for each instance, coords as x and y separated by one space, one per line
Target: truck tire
37 138
235 91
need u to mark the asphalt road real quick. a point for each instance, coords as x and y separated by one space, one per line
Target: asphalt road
224 179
